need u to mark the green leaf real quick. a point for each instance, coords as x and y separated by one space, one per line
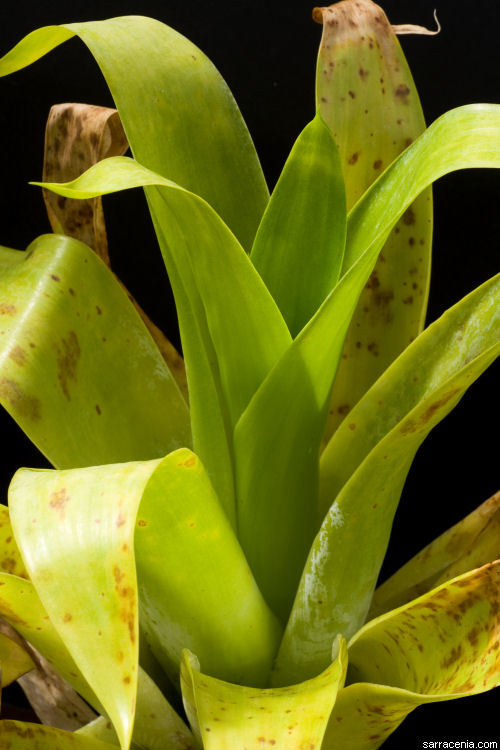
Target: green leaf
225 312
300 242
275 505
367 97
73 353
14 660
443 645
339 577
470 543
157 726
20 735
193 578
231 716
178 114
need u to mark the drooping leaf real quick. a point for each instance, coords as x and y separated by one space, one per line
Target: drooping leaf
300 242
20 735
231 329
157 726
443 645
231 716
340 575
76 137
73 357
276 520
464 546
366 95
14 660
178 114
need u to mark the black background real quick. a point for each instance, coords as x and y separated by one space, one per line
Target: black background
266 52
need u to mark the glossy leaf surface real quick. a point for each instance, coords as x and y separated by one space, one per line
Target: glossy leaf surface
10 557
340 575
366 95
443 645
231 716
300 242
178 114
73 353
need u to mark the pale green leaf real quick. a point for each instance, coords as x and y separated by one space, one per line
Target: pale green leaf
179 115
366 95
300 242
275 514
19 735
232 716
231 329
340 575
470 543
443 645
73 353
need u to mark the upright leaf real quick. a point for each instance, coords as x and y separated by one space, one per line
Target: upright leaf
231 329
177 112
367 97
454 552
340 574
232 716
275 504
443 645
300 242
73 358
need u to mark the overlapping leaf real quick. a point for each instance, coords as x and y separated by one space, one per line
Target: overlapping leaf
340 575
178 114
231 716
366 95
275 504
299 246
443 645
470 543
14 660
157 726
231 329
73 353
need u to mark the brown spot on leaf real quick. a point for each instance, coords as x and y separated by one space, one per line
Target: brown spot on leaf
54 277
58 502
67 617
68 355
408 217
18 355
402 92
353 158
7 309
377 164
25 406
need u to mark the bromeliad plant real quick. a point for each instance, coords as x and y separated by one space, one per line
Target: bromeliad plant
238 540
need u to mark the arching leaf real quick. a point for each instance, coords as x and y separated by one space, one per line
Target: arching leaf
73 357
